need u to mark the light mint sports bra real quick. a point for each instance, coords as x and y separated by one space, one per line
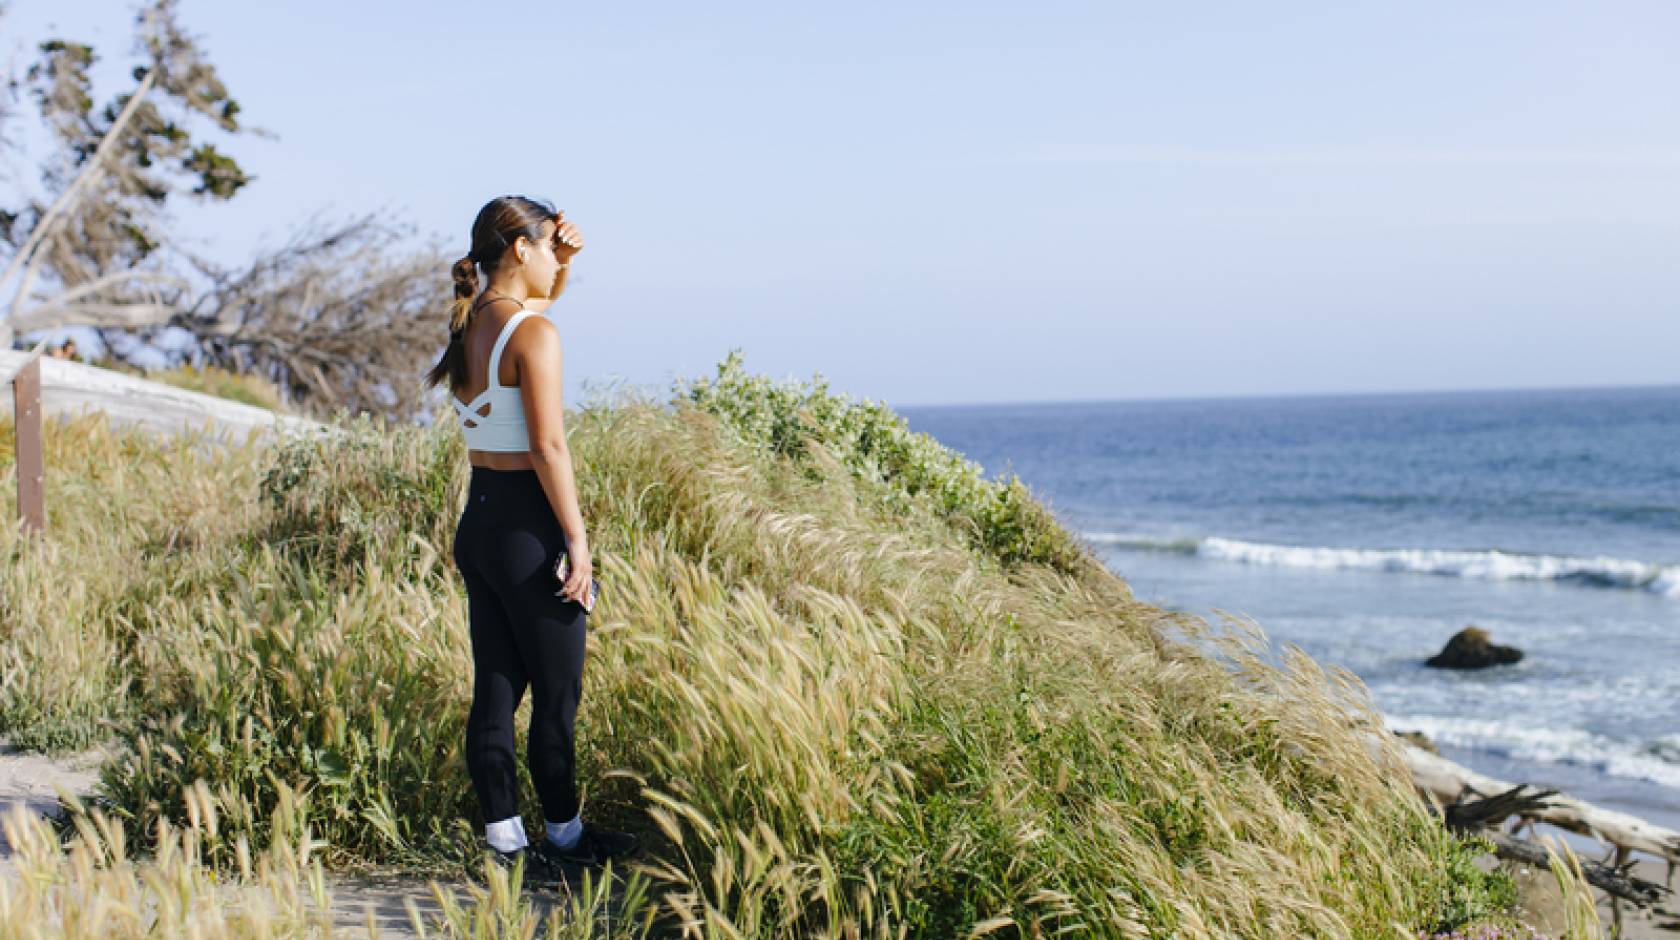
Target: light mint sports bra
503 428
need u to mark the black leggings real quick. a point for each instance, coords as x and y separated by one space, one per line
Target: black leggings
506 546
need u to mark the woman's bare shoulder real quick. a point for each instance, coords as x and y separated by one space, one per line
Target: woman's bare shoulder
536 336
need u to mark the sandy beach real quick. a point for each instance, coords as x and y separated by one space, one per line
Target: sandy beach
1542 905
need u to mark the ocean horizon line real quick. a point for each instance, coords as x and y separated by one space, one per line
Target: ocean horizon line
1287 396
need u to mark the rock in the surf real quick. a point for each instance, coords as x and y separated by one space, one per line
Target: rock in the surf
1469 648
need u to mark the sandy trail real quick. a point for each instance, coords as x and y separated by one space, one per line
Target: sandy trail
1542 905
29 779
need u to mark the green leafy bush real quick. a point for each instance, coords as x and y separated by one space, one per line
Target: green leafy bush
335 495
792 419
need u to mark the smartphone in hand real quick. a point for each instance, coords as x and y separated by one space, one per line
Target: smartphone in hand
563 570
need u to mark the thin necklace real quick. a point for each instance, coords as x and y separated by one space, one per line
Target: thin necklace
488 292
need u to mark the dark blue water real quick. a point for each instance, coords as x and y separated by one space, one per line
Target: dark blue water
1368 529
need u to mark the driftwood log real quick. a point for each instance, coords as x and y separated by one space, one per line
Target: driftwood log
1472 802
1612 879
1480 816
1447 782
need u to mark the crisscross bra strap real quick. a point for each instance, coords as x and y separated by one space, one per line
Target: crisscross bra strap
465 410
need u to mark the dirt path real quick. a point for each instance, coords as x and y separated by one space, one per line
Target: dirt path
30 779
357 897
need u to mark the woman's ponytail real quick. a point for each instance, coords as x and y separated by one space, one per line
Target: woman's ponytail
453 364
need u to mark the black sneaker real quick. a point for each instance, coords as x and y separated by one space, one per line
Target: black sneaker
594 846
540 869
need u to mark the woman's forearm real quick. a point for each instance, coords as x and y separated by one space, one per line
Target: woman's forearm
554 470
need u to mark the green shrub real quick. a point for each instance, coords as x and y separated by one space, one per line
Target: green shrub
361 487
1466 893
791 419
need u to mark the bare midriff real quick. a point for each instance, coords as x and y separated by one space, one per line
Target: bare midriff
500 460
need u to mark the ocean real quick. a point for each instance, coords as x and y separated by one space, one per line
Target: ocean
1367 529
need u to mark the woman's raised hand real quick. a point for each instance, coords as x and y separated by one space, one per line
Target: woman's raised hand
568 240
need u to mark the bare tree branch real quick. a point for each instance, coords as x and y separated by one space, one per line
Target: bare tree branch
132 316
332 316
67 199
70 308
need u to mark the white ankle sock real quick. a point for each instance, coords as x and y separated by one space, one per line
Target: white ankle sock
506 835
565 834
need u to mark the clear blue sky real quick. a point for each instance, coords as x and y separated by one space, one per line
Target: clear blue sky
980 202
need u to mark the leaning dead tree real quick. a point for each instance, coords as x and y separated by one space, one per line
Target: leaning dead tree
88 249
334 317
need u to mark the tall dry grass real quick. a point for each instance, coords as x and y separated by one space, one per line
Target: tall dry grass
88 884
833 700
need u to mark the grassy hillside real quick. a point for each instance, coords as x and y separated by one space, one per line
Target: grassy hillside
840 682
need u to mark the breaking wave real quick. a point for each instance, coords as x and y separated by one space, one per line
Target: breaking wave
1657 761
1486 565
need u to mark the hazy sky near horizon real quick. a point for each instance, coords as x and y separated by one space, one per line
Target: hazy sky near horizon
979 202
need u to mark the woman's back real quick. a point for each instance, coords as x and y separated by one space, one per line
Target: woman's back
481 339
493 418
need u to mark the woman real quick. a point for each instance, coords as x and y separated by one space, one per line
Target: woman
503 367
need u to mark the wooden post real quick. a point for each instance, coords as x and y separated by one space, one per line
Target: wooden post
31 477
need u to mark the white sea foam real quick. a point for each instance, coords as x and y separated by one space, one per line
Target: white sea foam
1657 761
1492 565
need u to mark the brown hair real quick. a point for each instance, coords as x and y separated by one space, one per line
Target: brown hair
501 221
